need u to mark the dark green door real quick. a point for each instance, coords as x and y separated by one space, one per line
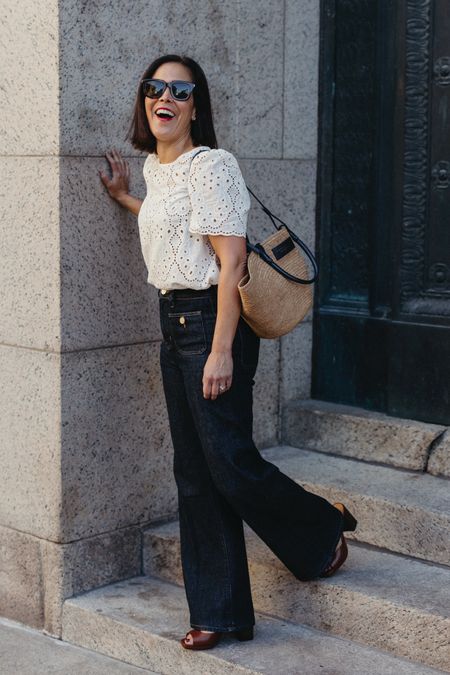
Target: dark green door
382 307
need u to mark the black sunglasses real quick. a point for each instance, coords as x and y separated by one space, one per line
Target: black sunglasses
179 89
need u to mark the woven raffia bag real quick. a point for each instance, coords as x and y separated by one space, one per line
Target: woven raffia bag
275 293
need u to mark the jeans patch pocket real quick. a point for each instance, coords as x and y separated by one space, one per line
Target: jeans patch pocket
188 331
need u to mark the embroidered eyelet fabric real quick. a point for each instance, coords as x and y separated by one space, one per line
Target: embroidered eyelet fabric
187 200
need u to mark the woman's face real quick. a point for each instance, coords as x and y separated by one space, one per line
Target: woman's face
179 126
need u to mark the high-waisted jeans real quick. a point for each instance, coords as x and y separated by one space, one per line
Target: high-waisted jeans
222 479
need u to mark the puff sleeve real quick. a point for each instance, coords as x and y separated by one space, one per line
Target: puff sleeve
219 197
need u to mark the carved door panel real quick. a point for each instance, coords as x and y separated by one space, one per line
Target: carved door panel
382 310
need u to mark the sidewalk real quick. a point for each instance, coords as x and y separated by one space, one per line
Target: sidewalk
24 651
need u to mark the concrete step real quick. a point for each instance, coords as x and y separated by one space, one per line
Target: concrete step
141 621
26 651
377 598
402 511
359 433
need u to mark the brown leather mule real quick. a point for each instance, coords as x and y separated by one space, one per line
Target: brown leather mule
341 551
197 639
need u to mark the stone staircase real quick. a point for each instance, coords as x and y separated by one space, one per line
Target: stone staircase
385 611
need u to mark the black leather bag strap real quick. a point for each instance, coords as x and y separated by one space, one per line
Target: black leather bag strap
197 153
259 250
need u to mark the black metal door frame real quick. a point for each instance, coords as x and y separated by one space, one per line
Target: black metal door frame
382 304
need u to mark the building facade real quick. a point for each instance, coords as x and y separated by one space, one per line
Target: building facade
338 114
85 448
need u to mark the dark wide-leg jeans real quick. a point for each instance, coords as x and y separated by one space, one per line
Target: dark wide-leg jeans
222 479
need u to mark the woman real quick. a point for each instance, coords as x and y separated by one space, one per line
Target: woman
192 227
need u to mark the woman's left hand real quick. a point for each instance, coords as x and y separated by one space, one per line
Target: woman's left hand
218 372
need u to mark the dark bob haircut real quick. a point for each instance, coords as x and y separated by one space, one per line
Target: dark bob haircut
202 128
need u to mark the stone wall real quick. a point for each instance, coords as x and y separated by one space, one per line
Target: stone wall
85 448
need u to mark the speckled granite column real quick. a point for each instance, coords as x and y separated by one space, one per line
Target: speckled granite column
86 455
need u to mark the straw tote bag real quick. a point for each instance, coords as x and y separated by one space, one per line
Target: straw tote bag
275 293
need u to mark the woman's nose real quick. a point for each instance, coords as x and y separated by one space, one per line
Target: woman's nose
167 94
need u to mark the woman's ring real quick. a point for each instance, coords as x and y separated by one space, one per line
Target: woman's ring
221 387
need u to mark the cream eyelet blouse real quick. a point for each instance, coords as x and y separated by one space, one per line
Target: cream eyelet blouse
186 200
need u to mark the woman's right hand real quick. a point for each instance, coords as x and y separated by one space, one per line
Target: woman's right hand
118 184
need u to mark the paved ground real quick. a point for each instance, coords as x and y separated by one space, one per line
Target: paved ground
28 652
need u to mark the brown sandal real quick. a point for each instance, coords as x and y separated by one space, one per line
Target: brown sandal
341 551
198 639
340 556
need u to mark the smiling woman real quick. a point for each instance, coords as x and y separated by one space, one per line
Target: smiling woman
178 85
170 102
192 227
